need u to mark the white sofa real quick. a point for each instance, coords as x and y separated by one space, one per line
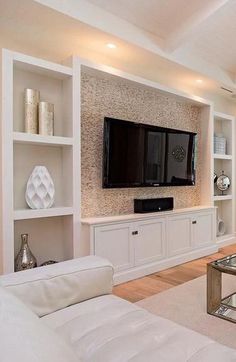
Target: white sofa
66 313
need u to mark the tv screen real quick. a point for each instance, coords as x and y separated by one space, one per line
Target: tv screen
141 155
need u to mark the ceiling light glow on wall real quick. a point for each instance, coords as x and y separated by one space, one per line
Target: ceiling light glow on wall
111 46
199 81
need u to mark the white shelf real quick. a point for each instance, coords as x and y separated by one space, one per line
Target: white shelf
224 237
40 66
223 116
136 216
222 197
41 213
21 137
224 240
219 156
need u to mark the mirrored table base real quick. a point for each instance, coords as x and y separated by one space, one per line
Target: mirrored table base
227 309
216 305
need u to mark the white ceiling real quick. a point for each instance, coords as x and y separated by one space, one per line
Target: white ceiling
156 39
159 17
215 39
199 34
207 28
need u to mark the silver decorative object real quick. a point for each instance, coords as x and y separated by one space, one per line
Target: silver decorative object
40 191
179 153
46 118
25 258
49 262
223 182
215 177
31 110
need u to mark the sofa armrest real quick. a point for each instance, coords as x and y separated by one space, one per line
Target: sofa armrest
50 288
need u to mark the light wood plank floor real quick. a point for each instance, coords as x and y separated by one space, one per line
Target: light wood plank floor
138 289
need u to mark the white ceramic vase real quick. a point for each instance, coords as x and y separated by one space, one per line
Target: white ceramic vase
220 225
40 190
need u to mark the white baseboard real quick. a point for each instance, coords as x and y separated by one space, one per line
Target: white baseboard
142 270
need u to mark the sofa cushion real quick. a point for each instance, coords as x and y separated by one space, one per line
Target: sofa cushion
53 287
24 337
110 329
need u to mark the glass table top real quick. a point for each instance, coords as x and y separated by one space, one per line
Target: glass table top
227 263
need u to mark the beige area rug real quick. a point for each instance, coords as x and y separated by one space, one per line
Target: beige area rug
186 305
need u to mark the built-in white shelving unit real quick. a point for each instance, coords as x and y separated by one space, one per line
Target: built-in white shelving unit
224 125
53 233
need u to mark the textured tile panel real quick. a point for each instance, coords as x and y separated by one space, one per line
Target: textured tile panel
119 98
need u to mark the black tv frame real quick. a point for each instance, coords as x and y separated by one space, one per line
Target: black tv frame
105 184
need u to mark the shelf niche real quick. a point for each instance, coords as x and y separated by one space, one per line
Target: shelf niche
52 89
49 238
58 161
224 212
224 125
226 166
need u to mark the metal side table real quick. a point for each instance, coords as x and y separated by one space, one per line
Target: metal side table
216 305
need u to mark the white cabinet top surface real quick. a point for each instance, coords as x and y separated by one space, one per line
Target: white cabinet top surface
135 217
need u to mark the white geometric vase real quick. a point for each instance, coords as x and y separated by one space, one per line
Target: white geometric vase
40 190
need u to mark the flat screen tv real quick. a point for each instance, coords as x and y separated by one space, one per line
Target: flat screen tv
142 155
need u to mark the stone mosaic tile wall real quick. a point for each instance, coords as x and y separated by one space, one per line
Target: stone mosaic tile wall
118 98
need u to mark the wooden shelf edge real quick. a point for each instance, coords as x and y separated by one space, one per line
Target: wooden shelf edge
24 214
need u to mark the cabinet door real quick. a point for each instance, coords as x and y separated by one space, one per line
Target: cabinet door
179 234
203 229
114 242
149 240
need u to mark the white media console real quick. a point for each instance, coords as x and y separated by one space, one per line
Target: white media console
140 244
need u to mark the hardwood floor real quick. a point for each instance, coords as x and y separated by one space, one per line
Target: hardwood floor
138 289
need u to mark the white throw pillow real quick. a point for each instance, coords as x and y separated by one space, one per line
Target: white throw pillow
25 338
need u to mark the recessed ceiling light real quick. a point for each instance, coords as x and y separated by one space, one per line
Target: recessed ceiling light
199 81
111 45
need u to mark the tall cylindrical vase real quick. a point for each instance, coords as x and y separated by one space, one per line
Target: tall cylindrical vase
32 97
46 118
25 258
